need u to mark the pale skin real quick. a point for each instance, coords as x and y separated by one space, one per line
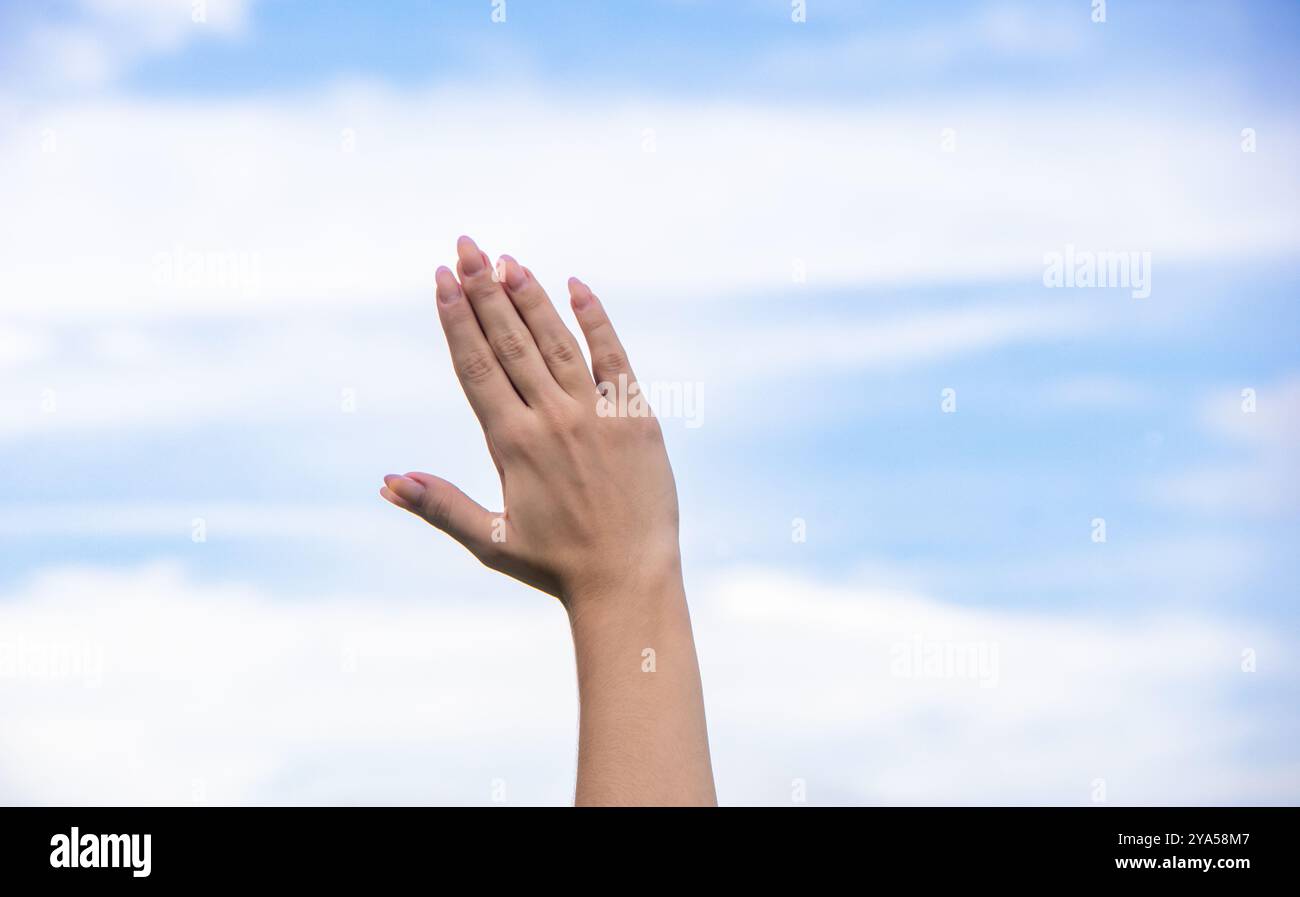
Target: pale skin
590 517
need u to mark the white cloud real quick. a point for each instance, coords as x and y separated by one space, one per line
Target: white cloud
352 196
895 340
1074 697
67 379
167 21
155 209
1264 416
1249 488
150 373
20 346
934 47
106 37
1265 483
144 686
173 520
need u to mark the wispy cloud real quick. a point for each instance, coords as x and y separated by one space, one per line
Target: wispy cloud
170 678
1264 419
345 197
1053 702
149 373
102 39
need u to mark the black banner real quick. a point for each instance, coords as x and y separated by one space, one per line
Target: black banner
144 848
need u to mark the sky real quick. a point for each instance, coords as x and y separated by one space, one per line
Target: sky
956 529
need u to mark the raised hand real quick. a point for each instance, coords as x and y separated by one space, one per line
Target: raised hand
590 517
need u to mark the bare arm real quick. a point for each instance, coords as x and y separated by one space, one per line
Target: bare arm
591 518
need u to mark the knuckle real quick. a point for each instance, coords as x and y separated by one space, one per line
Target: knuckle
508 436
570 421
528 300
480 285
612 361
489 554
564 418
510 345
562 352
437 507
476 366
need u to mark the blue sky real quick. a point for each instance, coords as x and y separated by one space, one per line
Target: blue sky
682 46
687 159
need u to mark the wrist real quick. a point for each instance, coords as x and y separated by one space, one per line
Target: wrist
607 579
642 593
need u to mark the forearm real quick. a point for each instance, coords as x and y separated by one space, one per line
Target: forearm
642 738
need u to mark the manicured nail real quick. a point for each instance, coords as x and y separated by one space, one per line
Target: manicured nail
448 288
472 259
514 273
405 488
579 292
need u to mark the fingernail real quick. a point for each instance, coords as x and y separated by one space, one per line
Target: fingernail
405 488
579 292
448 288
514 273
472 260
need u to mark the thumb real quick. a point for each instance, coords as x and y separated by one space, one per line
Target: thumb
445 506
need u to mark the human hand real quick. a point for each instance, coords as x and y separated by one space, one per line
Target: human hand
590 502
